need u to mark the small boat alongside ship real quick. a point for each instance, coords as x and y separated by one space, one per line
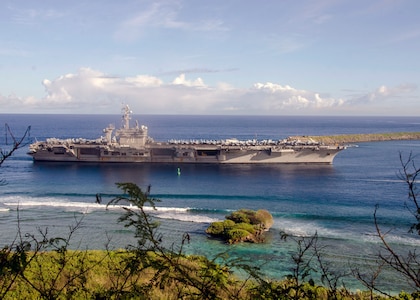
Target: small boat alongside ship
133 145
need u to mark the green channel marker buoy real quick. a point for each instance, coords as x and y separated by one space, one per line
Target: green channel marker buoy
179 171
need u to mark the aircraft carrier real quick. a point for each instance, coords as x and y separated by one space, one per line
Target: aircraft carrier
133 145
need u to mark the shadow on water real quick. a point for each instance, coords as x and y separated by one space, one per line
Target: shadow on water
188 169
171 181
180 177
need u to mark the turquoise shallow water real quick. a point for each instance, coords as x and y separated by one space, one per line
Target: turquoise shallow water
335 201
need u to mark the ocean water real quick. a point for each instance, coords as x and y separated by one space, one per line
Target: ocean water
337 202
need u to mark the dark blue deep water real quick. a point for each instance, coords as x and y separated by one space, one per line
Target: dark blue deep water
337 202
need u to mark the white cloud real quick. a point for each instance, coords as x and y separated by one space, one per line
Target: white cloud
181 80
144 81
288 97
31 16
382 93
93 91
163 15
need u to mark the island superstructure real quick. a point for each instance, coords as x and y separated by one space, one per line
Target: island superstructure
133 145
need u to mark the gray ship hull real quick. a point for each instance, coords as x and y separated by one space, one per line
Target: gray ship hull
133 145
166 153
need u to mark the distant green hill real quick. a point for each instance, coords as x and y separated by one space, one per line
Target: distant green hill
368 137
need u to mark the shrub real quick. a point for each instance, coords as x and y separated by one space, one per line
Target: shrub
220 228
228 225
242 225
265 218
216 228
237 235
241 216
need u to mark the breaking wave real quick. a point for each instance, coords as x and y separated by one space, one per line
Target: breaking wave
25 203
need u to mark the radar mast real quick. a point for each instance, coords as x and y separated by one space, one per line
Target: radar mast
126 116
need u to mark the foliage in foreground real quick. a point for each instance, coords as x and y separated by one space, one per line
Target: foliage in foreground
44 268
92 274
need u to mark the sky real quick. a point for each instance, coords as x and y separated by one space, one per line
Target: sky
219 57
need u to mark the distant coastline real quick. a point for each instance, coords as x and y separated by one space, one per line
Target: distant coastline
366 137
